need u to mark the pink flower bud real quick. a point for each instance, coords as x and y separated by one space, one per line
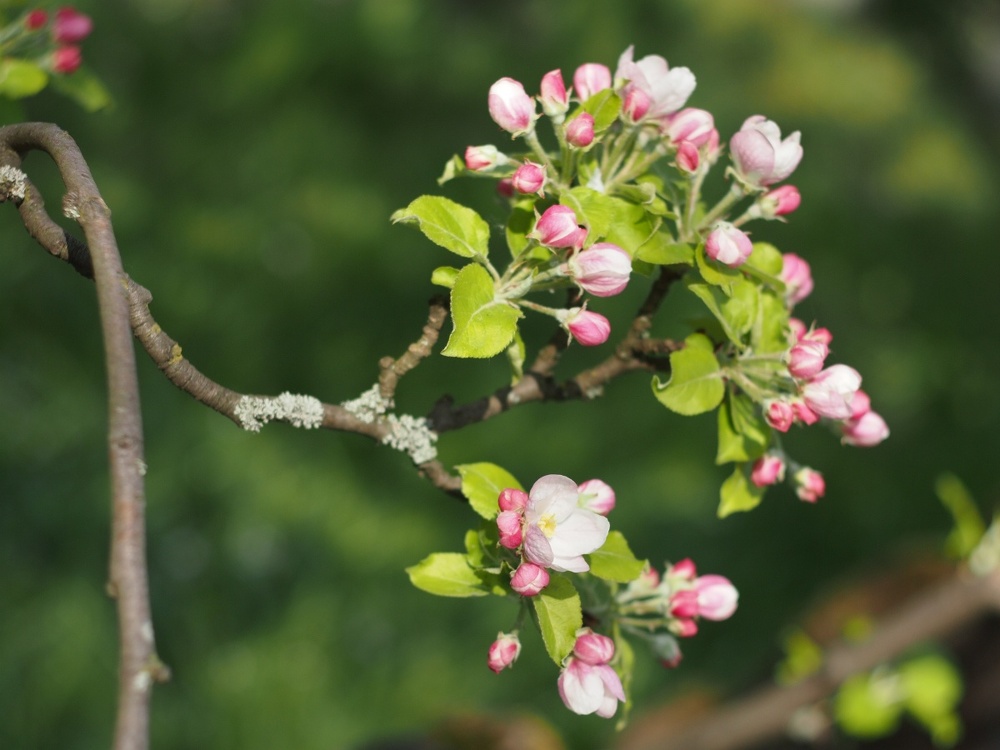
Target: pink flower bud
805 359
553 96
603 269
684 603
767 470
591 78
829 394
503 651
593 648
717 597
781 201
648 579
667 650
809 485
728 245
588 328
512 499
684 569
36 19
557 227
510 106
684 627
509 525
798 328
865 431
692 125
71 26
529 579
759 154
860 405
596 496
711 149
779 414
821 335
688 157
66 60
803 413
505 187
483 158
636 103
580 130
529 178
797 277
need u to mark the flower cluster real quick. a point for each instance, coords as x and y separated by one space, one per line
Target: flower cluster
552 527
51 40
587 684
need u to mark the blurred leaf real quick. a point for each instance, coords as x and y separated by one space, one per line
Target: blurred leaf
738 493
867 706
559 616
448 224
969 524
765 258
803 657
85 88
21 78
933 688
483 325
614 561
482 484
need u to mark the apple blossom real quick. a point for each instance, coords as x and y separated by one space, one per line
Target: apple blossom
683 569
591 78
503 651
590 689
510 106
803 413
692 125
861 404
597 496
728 245
67 59
580 130
593 648
797 277
636 103
781 201
688 157
865 431
482 158
684 627
557 227
512 499
717 597
509 526
830 392
529 579
553 96
809 484
668 89
588 328
779 414
36 19
760 156
603 269
71 26
767 470
529 178
557 531
805 359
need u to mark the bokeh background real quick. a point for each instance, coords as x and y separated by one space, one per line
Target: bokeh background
252 159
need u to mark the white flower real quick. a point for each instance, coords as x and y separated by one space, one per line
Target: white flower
668 89
557 531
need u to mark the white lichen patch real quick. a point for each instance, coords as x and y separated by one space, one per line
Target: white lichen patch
412 436
369 406
12 183
142 680
254 412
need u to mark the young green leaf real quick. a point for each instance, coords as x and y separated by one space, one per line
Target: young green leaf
20 78
447 574
483 325
560 615
448 224
444 276
614 561
696 384
738 493
482 484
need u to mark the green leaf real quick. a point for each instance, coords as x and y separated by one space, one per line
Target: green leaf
765 258
743 433
696 384
454 167
713 272
614 561
867 707
482 484
594 210
740 309
969 525
738 493
803 657
769 332
20 78
604 106
632 227
84 88
661 250
447 574
444 276
522 219
448 224
624 664
714 299
483 325
560 615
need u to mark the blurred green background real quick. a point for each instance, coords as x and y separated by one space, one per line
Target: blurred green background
252 160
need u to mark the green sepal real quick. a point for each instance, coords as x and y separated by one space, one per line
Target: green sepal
451 225
696 383
444 276
483 325
560 615
447 574
20 78
738 493
482 484
614 561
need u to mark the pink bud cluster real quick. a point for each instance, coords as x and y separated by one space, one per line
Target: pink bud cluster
552 527
67 28
587 683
